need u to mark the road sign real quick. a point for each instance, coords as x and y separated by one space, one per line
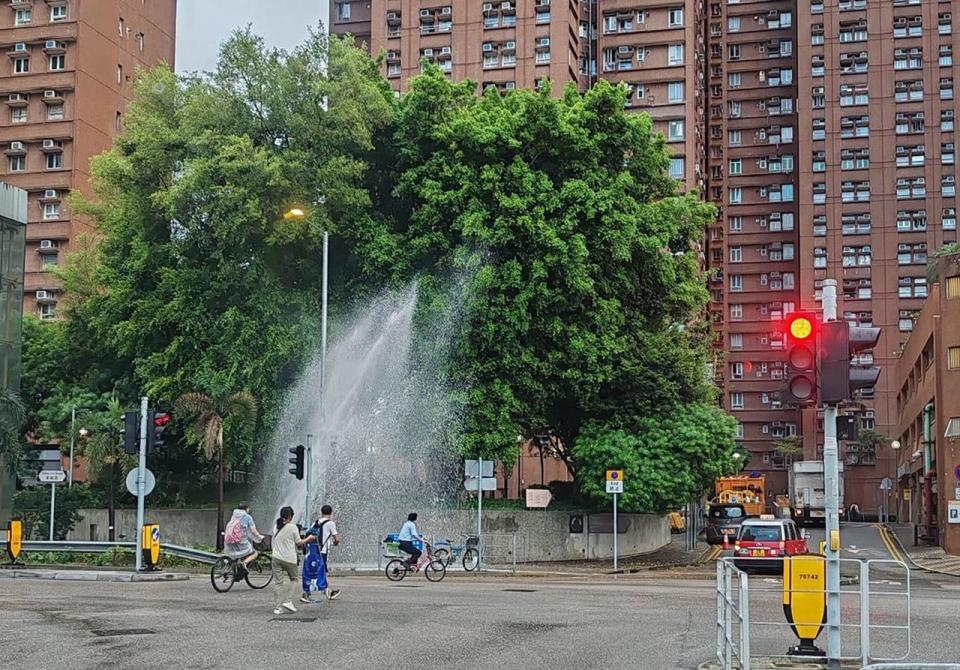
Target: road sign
614 475
487 484
52 476
956 493
470 469
886 484
149 481
614 486
906 494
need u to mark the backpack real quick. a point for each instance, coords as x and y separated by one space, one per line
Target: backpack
234 532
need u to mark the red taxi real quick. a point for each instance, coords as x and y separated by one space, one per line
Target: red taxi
762 543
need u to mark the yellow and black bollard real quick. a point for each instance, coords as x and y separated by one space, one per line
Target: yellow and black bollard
14 539
151 545
805 600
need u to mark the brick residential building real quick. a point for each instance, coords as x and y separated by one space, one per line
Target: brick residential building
928 408
823 132
67 81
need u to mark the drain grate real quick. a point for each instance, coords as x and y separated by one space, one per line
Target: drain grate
113 632
298 619
519 590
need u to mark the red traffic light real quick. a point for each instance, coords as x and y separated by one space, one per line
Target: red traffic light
801 326
161 419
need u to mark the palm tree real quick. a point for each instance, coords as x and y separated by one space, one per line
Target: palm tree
11 420
209 415
106 459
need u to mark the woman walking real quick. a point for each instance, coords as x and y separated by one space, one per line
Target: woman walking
285 555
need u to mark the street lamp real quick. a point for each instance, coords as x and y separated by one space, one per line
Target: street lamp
294 214
895 444
83 433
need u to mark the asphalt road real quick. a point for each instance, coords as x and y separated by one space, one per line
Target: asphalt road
650 622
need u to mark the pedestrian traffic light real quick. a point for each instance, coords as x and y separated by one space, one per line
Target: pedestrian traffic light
839 378
157 423
131 432
296 461
801 338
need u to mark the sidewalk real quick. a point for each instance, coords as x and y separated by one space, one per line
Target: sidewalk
931 559
67 575
673 555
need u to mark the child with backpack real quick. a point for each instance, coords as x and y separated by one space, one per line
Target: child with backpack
324 532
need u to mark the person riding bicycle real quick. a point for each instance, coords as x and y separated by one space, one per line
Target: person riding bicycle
240 530
408 533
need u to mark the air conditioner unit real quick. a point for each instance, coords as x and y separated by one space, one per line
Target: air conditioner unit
392 16
46 244
510 45
762 163
543 41
49 94
488 46
446 11
488 6
49 144
392 55
43 295
425 12
50 44
506 5
625 49
427 52
510 85
16 146
16 97
444 51
19 46
50 193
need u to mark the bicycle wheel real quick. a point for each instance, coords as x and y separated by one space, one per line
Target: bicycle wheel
259 573
396 570
443 555
222 574
435 571
471 559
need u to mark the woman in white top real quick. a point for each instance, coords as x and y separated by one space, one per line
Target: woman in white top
285 557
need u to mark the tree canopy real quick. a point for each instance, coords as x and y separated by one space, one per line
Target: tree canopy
583 316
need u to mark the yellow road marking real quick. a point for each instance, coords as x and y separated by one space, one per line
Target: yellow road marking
890 543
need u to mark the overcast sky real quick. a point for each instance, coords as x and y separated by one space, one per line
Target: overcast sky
203 24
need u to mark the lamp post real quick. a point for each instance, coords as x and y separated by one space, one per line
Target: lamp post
73 432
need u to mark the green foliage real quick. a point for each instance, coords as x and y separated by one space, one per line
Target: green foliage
666 461
11 434
33 506
791 446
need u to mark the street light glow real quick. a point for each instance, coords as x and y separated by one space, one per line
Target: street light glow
295 214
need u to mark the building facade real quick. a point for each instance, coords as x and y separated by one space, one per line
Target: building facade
653 47
13 233
822 131
928 409
69 76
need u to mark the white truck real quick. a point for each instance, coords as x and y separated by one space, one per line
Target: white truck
808 498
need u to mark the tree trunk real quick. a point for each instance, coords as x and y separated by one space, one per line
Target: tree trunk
220 499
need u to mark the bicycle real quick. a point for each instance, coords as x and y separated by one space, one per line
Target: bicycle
433 569
226 571
469 555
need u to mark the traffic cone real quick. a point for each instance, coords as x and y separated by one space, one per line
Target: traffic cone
726 542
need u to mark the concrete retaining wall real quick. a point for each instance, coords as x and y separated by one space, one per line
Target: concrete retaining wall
521 535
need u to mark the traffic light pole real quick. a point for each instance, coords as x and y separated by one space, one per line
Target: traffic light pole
831 477
141 480
308 466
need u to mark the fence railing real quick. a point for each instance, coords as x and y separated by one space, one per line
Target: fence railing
751 621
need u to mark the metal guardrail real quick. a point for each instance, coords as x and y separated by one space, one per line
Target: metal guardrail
912 666
737 593
84 547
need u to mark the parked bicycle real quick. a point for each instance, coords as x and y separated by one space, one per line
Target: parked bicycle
434 570
469 555
226 571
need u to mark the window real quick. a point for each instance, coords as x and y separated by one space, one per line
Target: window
909 123
54 161
140 41
912 287
905 322
944 23
780 193
855 224
736 255
675 91
953 358
675 129
911 221
59 12
735 108
55 112
948 218
735 166
736 340
911 254
857 256
854 159
543 14
819 129
819 193
676 17
948 186
818 97
51 210
48 261
23 17
946 120
736 401
819 161
734 80
946 88
733 24
817 65
820 224
677 167
675 54
21 65
819 257
733 51
735 223
736 195
119 74
908 91
736 370
18 115
58 62
47 311
120 26
18 163
736 283
853 31
953 287
343 11
908 59
854 94
738 436
945 58
816 34
734 137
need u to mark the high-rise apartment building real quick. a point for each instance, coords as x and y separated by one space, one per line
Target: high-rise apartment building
655 48
67 80
822 131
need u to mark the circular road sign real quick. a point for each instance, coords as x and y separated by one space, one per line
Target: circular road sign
149 481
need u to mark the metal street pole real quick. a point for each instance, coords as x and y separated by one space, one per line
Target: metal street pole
73 430
307 505
614 531
323 365
141 480
53 506
479 512
831 477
